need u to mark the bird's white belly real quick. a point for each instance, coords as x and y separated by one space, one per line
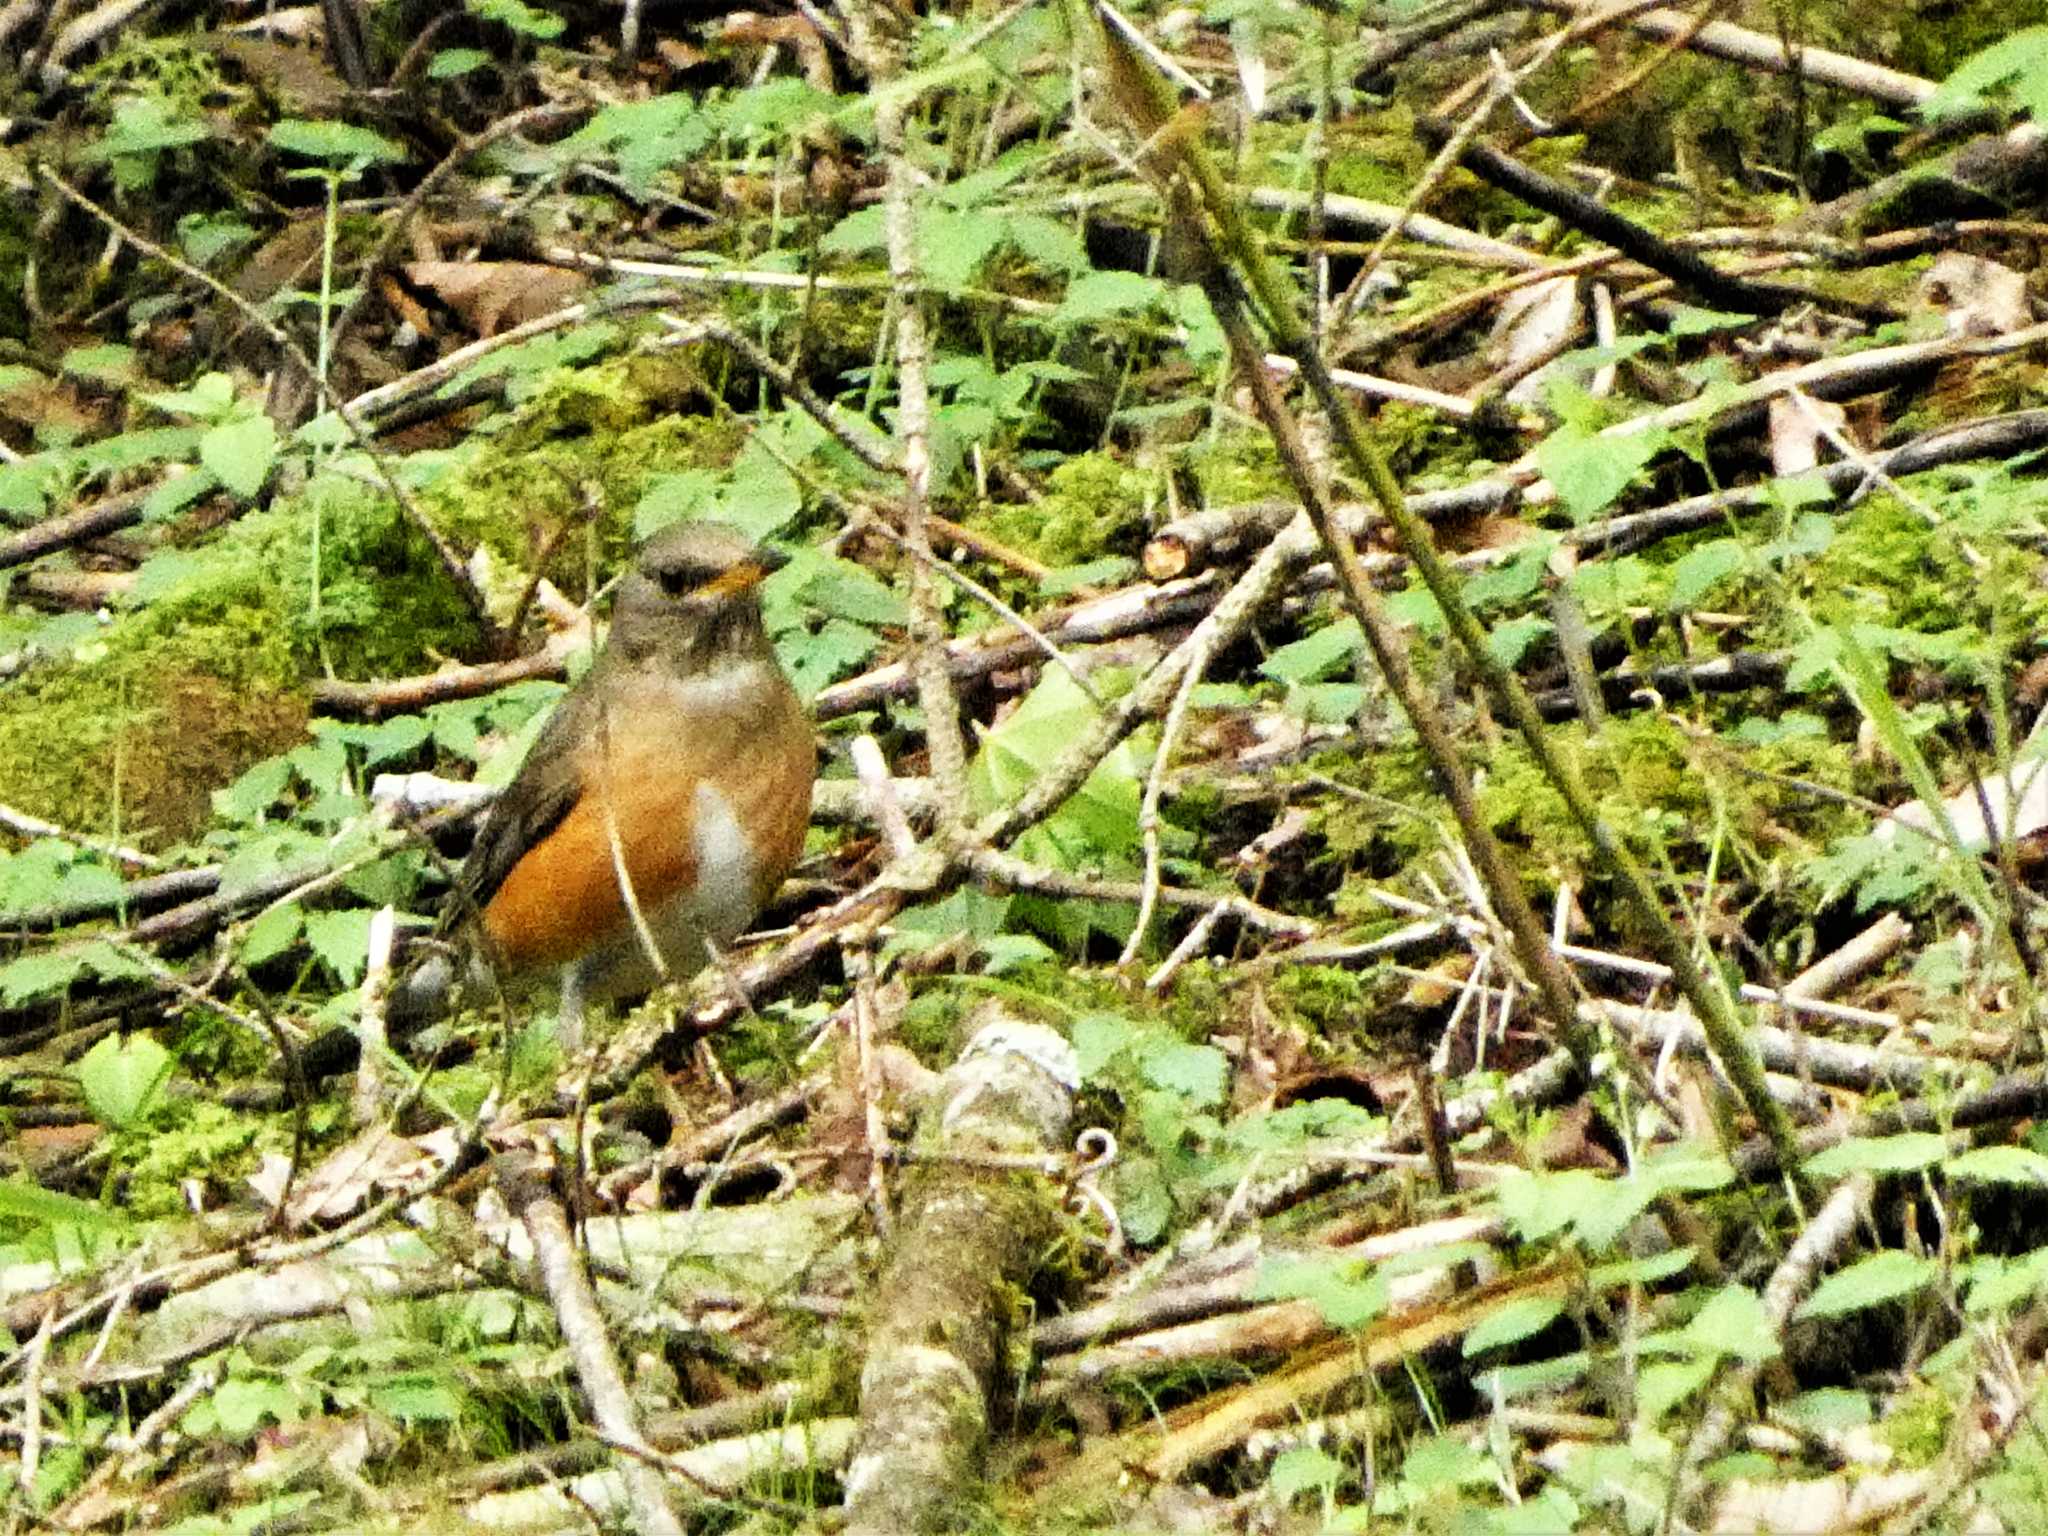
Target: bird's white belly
715 910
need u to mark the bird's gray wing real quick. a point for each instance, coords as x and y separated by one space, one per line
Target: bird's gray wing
544 790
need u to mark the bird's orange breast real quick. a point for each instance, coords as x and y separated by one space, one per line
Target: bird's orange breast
636 822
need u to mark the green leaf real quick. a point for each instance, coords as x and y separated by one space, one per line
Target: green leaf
1098 296
1514 579
111 364
1197 1072
1302 1470
1334 1285
211 395
2000 1165
1690 320
1703 568
1733 1322
519 17
144 128
1049 243
1512 1322
1438 1462
1664 1385
209 236
39 974
1098 1039
1591 469
453 63
416 1398
858 234
337 143
952 246
21 1201
1883 1276
1540 1205
1879 1154
342 939
1100 821
1328 651
1509 641
123 1079
272 933
2018 62
255 792
240 454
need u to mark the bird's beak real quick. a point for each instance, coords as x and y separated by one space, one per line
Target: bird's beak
744 577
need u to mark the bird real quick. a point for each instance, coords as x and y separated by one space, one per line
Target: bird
663 802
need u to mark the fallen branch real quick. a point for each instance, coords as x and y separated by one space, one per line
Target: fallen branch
968 1242
1739 45
523 1181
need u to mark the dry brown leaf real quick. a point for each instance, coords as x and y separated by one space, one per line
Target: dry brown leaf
492 295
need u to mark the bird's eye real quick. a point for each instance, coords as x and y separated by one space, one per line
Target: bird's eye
675 581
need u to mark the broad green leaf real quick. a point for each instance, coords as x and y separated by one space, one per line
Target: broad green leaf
1445 1462
1869 1282
240 453
2017 62
1196 1072
1097 296
1518 1319
1514 579
1879 1154
416 1398
1048 243
1340 1288
255 792
2000 1165
1301 1470
1509 640
211 395
1733 1322
1703 568
1591 469
520 17
1690 320
22 1201
1315 657
207 237
39 973
1098 1039
453 63
272 933
952 246
1540 1205
335 142
1662 1386
110 363
1995 1283
342 939
123 1079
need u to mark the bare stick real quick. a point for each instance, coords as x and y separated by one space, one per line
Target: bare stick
522 1178
1739 45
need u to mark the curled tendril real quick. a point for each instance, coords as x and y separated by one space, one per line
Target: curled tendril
1095 1152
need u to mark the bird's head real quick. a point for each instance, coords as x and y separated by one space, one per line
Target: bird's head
693 597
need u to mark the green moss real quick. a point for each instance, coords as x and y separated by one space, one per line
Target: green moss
1916 1424
602 431
175 698
1094 505
197 1138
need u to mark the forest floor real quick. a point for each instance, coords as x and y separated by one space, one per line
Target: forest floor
1424 906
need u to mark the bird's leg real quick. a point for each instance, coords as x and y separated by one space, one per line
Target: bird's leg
569 1013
